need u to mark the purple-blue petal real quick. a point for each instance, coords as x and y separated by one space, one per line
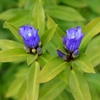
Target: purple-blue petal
30 36
73 38
64 40
61 55
75 53
72 44
71 33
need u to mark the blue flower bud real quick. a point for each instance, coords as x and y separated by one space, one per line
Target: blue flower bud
73 39
30 36
62 55
75 53
26 49
39 50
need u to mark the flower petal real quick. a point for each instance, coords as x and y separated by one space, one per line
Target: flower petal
30 36
61 55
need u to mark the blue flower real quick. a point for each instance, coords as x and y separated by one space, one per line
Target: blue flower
62 55
30 36
73 39
75 53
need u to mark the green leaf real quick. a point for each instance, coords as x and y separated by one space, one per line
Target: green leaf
15 86
90 30
95 42
38 17
30 4
14 31
79 86
9 44
95 58
51 23
65 94
94 93
64 13
51 48
13 55
65 25
75 3
48 35
9 13
44 58
32 86
48 93
51 69
94 80
63 76
83 62
56 41
31 58
22 92
22 18
92 6
22 72
59 33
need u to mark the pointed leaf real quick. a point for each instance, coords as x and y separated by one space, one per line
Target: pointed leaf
9 13
94 93
83 62
22 72
65 94
90 30
51 48
95 42
95 58
22 18
73 3
94 80
92 6
51 69
56 41
31 58
63 76
11 55
48 93
44 58
48 35
9 44
38 17
51 23
14 31
22 92
79 86
15 87
64 13
32 86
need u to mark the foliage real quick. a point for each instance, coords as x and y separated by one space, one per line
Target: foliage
45 76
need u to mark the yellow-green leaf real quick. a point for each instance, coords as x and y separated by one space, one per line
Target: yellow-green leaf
11 55
79 86
9 44
32 85
31 58
14 31
90 30
51 69
38 17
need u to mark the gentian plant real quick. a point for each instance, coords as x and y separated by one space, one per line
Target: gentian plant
71 43
31 39
57 65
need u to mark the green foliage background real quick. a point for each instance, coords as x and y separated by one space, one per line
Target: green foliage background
67 14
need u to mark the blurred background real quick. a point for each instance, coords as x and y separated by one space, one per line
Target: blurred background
78 12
